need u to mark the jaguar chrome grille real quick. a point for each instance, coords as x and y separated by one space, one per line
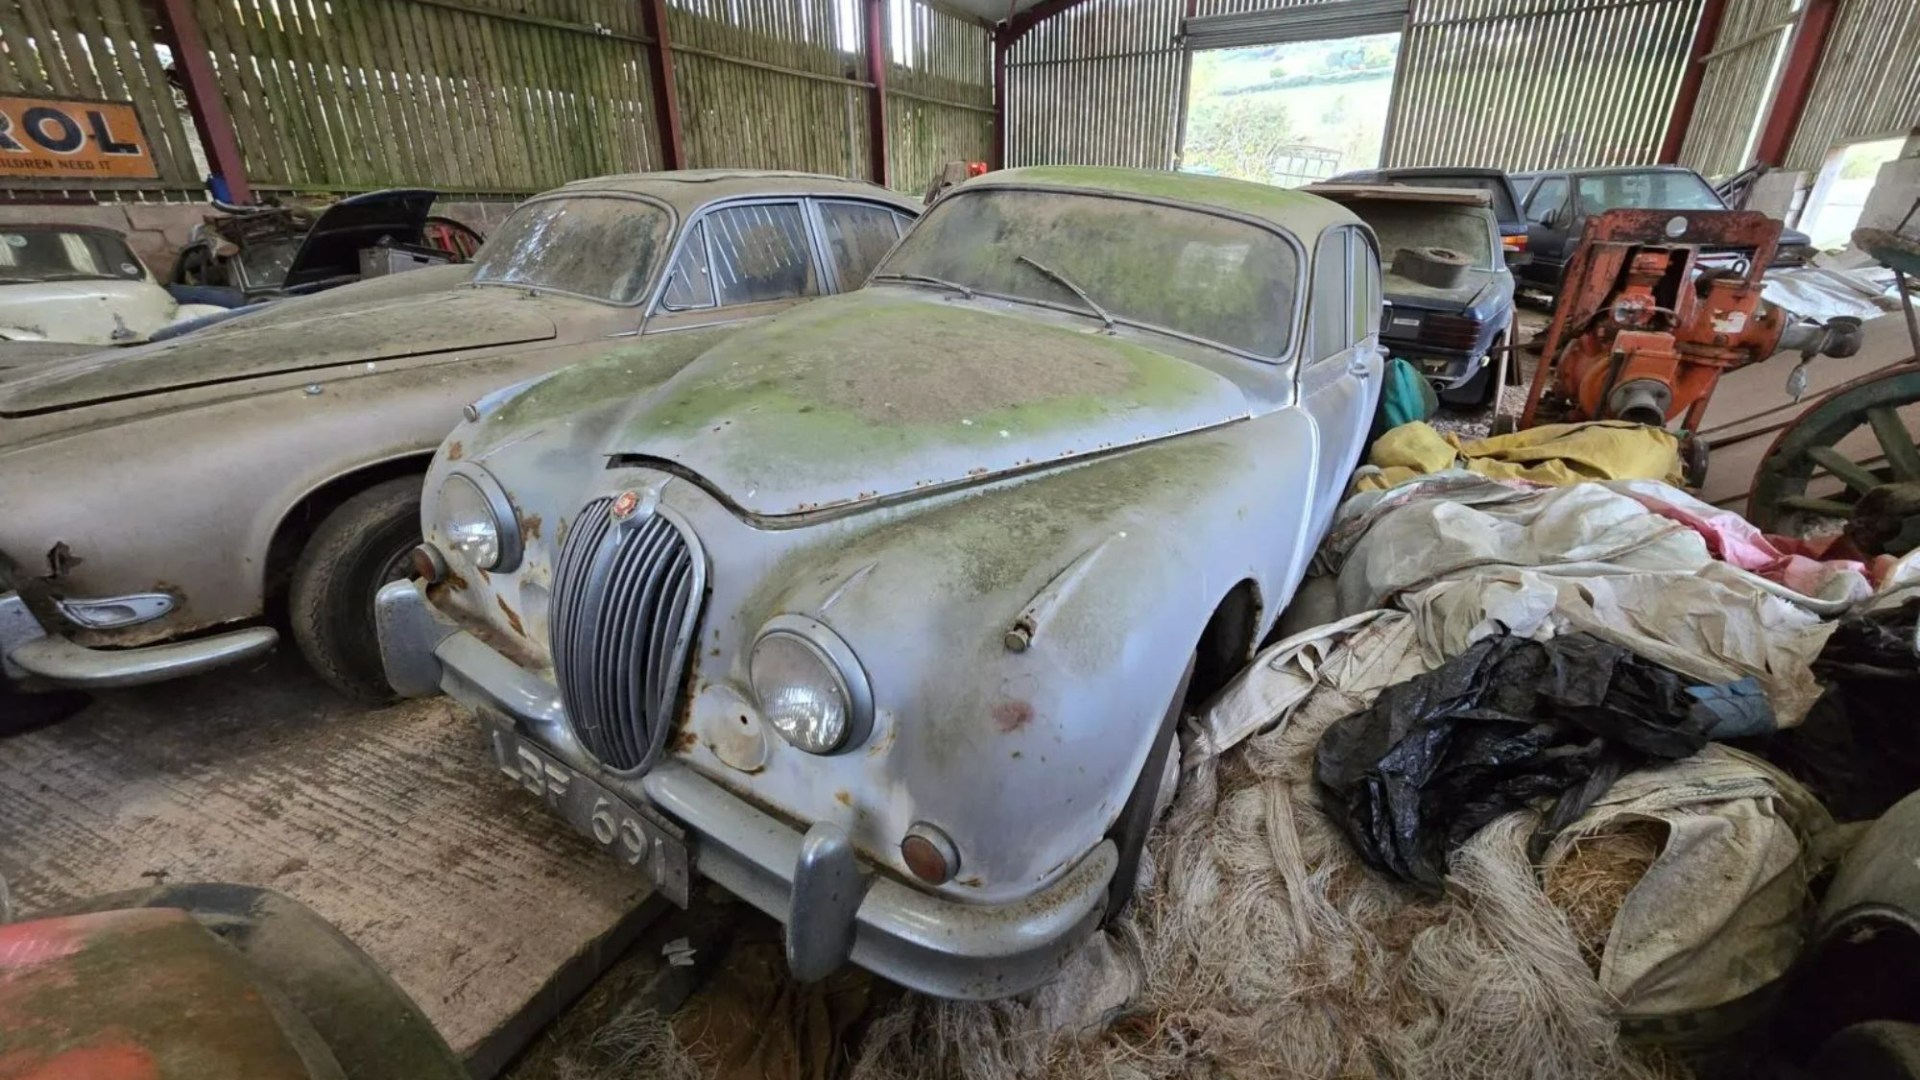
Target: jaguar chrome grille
626 598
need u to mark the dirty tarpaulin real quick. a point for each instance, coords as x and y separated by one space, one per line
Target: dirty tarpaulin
1471 557
1507 723
1554 454
1719 912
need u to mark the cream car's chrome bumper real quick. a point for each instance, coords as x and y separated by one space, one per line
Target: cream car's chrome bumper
29 651
834 908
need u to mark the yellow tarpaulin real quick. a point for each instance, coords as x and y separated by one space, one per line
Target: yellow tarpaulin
1557 454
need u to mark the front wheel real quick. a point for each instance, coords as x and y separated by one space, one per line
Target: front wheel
361 546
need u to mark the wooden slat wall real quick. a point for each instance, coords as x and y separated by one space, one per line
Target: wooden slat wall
1737 86
1531 84
487 96
939 92
1098 84
1868 84
771 84
101 49
1509 83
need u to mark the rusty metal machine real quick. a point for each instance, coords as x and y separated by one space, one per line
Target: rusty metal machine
1656 306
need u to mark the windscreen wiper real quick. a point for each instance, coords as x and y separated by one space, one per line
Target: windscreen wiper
926 280
1077 291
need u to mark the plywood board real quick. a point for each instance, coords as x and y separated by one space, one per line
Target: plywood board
390 822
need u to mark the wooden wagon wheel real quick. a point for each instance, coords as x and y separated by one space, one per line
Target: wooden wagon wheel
1881 500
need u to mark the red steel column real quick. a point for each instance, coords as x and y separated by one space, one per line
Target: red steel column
211 120
877 98
1796 80
1712 14
1001 42
666 100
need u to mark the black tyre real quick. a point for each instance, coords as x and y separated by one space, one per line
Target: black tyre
1875 1050
361 546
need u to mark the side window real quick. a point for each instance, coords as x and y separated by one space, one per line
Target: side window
1364 286
857 236
1330 295
690 282
1548 195
761 252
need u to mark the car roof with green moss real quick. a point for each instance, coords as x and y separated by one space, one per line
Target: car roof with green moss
1306 216
687 190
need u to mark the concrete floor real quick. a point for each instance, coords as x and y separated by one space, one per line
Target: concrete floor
392 823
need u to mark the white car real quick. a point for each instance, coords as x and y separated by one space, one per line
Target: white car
82 285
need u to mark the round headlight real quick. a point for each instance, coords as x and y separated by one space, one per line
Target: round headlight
809 686
468 522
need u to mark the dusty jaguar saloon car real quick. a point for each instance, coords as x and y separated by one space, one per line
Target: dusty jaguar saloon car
881 613
153 497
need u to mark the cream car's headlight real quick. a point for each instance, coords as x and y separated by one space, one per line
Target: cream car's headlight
810 686
477 521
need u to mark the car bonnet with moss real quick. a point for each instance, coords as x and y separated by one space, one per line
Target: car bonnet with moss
881 613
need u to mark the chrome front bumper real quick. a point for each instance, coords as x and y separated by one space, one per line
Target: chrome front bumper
834 909
29 651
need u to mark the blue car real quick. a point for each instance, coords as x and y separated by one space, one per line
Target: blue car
1455 319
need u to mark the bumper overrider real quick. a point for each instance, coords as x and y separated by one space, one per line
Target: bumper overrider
29 651
671 821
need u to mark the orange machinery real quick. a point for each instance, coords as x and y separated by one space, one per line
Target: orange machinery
1656 305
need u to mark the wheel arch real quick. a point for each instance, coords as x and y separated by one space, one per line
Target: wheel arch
1227 642
298 521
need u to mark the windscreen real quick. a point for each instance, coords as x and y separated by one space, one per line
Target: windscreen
1647 191
1412 225
30 255
603 247
1194 273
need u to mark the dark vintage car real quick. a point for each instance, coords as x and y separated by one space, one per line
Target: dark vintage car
1558 203
1451 333
1502 198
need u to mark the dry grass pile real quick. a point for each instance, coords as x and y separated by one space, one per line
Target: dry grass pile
1591 883
1267 949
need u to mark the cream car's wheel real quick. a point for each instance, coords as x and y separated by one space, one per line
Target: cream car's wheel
361 546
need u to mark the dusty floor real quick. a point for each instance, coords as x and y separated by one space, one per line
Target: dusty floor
392 823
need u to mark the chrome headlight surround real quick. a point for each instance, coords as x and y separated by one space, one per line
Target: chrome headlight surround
499 508
841 668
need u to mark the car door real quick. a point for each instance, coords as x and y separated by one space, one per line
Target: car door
1341 362
740 261
856 235
1550 232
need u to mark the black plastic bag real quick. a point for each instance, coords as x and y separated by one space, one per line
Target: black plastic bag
1508 723
1858 750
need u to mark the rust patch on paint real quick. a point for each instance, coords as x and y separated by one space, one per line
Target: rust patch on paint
685 742
455 450
513 617
530 528
1012 715
844 798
